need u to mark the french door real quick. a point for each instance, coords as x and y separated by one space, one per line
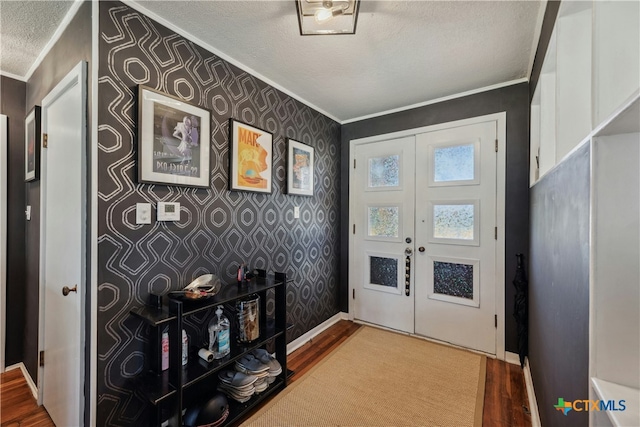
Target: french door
385 209
424 237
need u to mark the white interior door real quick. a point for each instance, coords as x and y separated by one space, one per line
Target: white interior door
63 249
455 235
384 219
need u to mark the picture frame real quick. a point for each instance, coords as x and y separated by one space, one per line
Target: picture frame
250 158
174 140
32 135
300 168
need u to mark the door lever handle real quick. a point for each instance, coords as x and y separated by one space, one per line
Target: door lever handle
67 290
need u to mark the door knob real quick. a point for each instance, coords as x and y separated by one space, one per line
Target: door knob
408 251
66 290
421 249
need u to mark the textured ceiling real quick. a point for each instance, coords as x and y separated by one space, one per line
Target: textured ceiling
403 52
25 29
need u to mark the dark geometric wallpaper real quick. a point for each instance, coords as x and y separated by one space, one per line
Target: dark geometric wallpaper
218 228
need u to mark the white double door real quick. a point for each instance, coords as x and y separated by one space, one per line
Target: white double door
424 234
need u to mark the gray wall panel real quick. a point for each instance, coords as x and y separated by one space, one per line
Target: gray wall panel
12 104
559 289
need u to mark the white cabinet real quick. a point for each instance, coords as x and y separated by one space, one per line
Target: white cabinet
573 47
616 62
590 74
614 358
589 93
543 117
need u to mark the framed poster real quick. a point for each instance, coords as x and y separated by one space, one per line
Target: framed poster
174 140
250 158
299 168
32 145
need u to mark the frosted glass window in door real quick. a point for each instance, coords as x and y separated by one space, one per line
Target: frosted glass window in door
383 271
384 221
453 279
454 163
384 171
453 221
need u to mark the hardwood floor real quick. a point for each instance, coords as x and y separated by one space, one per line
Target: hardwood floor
505 397
18 407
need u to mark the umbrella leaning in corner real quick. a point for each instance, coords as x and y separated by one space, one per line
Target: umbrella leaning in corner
520 311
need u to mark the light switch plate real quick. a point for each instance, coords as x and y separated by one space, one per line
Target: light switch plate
296 212
28 213
143 213
168 211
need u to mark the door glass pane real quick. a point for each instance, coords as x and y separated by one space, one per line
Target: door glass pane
384 271
454 163
384 171
453 279
453 221
384 221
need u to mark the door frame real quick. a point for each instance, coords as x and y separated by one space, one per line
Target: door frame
4 146
77 76
501 132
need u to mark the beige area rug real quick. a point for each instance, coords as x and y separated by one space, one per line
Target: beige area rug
382 378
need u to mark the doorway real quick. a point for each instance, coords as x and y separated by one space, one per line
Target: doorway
63 249
426 246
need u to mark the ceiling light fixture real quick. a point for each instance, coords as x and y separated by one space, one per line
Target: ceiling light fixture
324 17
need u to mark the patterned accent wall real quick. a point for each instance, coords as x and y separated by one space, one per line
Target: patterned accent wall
218 228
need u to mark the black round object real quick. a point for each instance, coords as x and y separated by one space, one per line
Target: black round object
215 409
190 417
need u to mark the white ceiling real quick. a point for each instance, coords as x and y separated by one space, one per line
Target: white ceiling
403 52
25 29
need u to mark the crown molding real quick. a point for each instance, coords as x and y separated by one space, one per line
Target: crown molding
438 100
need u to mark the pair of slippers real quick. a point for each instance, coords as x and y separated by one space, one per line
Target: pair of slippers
253 373
267 359
249 364
237 385
236 379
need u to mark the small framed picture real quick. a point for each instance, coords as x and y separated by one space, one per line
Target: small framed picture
174 140
250 158
299 168
32 145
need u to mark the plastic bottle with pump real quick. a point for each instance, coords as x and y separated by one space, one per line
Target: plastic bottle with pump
219 343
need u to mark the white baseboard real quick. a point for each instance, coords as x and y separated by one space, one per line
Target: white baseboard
27 377
533 403
512 358
305 338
